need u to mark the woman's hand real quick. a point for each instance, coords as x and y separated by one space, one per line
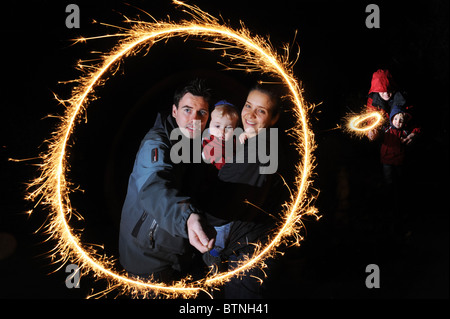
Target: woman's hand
372 134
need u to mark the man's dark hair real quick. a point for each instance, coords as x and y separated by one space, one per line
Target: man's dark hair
197 87
273 92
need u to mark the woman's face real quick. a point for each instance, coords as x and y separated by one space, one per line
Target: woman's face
385 95
258 112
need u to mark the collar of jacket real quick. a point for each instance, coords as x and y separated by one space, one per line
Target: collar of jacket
165 123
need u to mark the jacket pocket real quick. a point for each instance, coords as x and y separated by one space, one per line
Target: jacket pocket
144 231
151 238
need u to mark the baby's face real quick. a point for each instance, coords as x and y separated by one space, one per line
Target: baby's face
221 126
398 121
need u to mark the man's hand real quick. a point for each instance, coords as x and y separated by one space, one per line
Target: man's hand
201 236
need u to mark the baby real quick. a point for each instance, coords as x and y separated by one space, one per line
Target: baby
224 119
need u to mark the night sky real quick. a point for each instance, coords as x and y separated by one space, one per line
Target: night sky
338 55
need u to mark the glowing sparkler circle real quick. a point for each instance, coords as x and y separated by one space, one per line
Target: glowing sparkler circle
54 188
356 121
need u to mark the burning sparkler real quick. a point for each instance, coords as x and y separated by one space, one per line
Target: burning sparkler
361 124
52 188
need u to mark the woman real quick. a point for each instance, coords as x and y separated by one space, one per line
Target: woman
246 195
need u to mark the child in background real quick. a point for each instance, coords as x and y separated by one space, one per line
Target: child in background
395 139
224 119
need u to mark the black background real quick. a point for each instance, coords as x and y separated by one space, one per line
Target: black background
338 55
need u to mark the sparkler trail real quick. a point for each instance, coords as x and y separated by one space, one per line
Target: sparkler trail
361 124
52 189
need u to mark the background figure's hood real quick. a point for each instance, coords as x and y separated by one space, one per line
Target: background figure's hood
381 82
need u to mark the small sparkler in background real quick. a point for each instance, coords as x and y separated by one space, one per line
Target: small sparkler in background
52 189
360 124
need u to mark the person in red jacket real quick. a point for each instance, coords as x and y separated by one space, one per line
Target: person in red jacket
396 137
383 94
383 97
395 140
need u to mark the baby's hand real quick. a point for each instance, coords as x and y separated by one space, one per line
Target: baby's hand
243 137
250 132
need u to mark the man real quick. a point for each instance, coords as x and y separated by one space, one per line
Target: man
159 217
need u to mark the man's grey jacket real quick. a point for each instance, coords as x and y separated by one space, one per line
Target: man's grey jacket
153 233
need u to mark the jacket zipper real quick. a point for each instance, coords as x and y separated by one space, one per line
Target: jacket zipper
138 225
151 234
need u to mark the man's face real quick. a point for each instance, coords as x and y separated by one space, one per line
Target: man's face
191 115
